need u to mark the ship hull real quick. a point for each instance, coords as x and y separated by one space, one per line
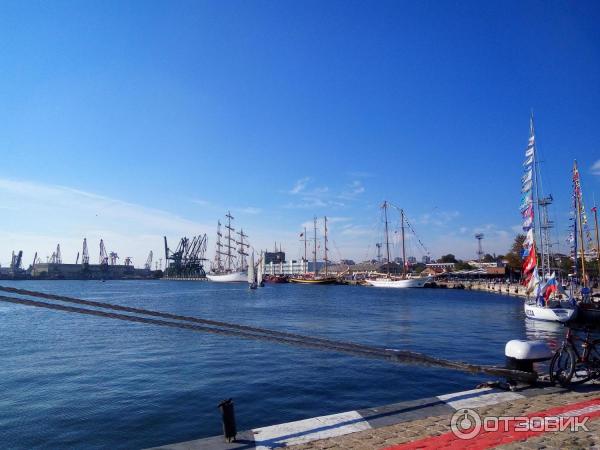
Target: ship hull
313 280
399 284
233 277
536 312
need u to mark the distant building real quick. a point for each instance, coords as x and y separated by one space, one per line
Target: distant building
348 262
274 257
425 259
398 260
79 271
483 265
411 260
443 266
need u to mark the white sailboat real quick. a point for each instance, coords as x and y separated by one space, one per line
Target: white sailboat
227 267
406 280
261 270
251 276
543 305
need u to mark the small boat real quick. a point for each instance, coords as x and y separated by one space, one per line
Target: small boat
416 282
589 305
315 278
406 280
559 312
227 267
276 279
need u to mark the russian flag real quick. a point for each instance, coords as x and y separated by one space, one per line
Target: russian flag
551 286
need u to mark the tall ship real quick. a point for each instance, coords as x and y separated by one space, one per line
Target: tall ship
316 277
229 265
536 271
581 238
405 280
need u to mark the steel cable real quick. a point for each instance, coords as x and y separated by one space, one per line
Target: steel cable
254 333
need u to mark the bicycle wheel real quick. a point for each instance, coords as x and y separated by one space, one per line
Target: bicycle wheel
562 366
591 368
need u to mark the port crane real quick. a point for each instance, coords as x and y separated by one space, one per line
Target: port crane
56 257
188 258
16 261
113 258
103 255
148 265
85 256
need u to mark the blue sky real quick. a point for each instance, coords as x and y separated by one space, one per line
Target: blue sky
130 120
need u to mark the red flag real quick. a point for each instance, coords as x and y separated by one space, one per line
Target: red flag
530 261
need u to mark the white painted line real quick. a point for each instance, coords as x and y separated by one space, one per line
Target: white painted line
478 397
308 430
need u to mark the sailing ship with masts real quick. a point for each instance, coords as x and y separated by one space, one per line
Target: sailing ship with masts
589 310
541 281
388 280
230 261
316 277
255 272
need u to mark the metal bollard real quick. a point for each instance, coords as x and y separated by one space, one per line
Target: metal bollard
228 417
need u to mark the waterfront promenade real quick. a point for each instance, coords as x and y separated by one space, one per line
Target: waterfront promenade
426 423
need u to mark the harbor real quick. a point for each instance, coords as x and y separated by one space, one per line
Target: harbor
299 383
253 225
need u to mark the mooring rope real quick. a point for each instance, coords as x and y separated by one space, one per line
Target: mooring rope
248 332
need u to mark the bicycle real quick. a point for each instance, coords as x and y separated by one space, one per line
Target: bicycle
570 366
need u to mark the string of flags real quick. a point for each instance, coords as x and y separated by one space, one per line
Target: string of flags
529 254
578 197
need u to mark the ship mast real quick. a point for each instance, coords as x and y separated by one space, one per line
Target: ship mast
325 246
315 248
387 239
241 250
305 256
403 247
595 211
580 220
229 239
219 250
542 203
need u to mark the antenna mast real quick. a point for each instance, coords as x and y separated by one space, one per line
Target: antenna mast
479 237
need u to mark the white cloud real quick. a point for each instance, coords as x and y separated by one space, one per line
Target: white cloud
44 215
596 168
250 210
201 202
437 217
299 186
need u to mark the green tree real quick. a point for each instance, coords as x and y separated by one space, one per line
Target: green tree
488 258
514 256
449 258
462 265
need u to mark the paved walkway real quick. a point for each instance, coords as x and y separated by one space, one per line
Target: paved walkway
425 423
435 432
